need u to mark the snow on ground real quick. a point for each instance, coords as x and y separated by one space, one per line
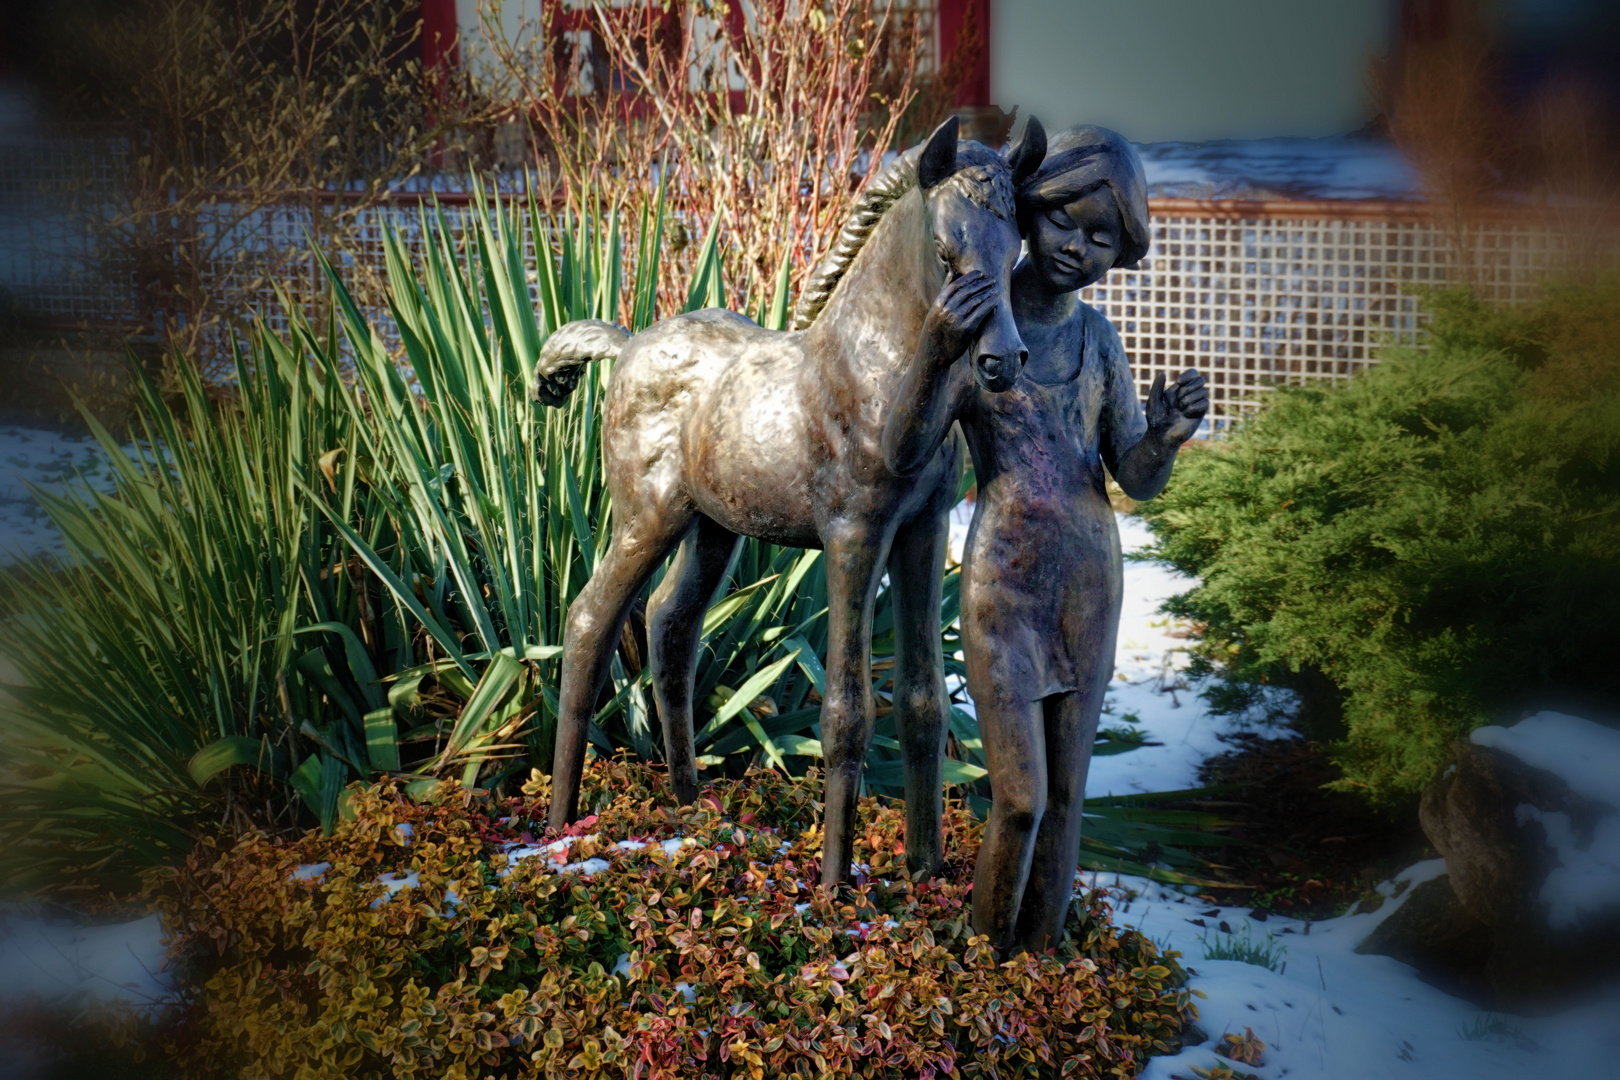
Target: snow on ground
48 460
1148 684
53 960
1330 1014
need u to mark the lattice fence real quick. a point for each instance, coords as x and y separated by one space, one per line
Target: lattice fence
1267 294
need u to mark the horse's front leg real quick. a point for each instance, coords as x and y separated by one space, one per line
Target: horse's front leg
854 551
916 567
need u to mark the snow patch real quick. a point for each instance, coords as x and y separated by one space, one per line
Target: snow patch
48 961
395 883
1587 880
1584 755
1333 1014
1339 167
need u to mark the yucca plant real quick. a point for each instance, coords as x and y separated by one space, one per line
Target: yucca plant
497 512
172 624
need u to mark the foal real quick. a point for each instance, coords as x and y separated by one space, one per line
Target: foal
714 429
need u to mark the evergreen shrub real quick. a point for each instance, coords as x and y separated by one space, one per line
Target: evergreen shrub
703 953
1429 548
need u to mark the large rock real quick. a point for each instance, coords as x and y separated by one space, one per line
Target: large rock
1431 931
1526 818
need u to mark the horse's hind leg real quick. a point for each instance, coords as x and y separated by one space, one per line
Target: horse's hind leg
674 631
916 566
595 619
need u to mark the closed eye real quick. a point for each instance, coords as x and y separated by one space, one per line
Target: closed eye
1102 239
1060 217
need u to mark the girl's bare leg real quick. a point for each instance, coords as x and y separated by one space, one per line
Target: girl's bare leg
1071 728
1015 751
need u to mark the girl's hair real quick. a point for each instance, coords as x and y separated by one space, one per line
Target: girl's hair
1079 160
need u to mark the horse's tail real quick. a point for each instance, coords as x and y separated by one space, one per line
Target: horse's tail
564 355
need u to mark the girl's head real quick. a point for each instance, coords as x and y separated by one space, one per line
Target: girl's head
1084 211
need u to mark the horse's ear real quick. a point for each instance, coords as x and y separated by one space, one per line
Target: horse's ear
938 159
1027 156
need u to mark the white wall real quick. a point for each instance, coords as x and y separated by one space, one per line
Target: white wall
515 20
1158 70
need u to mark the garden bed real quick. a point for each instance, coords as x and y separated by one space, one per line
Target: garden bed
453 938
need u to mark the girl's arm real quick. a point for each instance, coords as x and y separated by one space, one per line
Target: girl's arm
1140 450
931 390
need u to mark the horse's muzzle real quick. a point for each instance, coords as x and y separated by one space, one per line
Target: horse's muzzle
996 374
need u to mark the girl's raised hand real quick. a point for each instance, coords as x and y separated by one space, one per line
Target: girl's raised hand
1175 413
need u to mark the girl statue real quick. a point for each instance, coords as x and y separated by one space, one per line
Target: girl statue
1041 579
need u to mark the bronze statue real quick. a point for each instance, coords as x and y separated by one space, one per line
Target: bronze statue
714 429
1042 576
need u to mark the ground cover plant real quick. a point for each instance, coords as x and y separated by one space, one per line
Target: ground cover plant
1432 547
444 938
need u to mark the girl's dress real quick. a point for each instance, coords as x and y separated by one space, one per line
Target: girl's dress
1042 574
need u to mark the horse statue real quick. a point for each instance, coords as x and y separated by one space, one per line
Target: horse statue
714 429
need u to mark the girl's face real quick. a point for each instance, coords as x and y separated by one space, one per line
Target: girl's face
1072 246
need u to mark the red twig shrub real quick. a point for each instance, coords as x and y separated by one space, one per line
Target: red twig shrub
709 957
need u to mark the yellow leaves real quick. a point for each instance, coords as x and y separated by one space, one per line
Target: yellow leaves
366 995
485 957
588 1058
510 1004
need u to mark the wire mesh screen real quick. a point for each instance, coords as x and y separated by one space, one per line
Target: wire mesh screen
53 262
1301 292
266 253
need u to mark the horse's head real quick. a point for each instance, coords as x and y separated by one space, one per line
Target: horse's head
969 192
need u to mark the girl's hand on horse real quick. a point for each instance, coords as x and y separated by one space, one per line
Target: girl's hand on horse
958 312
1173 413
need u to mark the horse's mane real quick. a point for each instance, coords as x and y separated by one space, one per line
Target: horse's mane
983 175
